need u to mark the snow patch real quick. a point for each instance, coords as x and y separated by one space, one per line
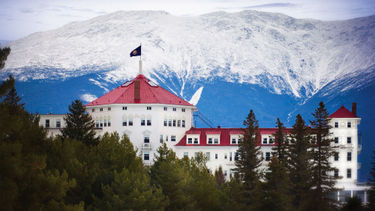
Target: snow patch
88 97
197 95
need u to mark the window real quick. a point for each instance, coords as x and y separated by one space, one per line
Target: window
349 157
230 156
178 123
336 124
225 173
124 108
186 154
173 138
148 108
233 141
149 122
216 156
216 141
165 123
349 124
208 156
236 156
165 108
109 123
124 123
105 123
170 123
264 140
268 156
166 138
183 123
209 140
58 123
146 140
47 123
182 109
225 156
109 108
161 139
93 110
190 141
196 155
174 109
146 156
97 124
349 140
336 173
143 122
336 156
271 140
101 123
195 140
348 173
174 123
336 140
130 122
101 109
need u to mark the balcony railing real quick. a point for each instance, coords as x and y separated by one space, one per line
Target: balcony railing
146 146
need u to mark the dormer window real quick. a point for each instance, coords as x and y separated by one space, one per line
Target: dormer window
149 108
213 138
235 138
192 139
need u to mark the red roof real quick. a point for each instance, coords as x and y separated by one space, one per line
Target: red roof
149 93
343 113
224 133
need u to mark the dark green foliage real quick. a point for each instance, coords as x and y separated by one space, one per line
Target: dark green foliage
249 161
299 163
322 173
79 125
353 204
6 86
233 194
25 182
276 187
280 140
4 52
219 177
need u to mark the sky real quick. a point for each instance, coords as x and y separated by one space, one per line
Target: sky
19 18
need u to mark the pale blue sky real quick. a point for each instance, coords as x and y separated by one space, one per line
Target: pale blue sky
19 18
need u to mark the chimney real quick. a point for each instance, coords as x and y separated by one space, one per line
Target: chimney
354 108
137 91
219 126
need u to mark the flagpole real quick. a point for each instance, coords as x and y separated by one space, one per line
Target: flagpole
140 61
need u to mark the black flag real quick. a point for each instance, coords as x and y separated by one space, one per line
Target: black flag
136 52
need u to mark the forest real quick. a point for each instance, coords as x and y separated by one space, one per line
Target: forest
79 171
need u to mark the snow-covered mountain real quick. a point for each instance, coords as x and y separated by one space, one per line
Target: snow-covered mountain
283 54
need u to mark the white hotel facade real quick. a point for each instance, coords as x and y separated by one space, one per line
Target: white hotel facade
150 115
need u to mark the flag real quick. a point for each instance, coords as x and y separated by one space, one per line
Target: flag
136 52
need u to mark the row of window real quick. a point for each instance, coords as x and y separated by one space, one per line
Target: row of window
212 139
348 124
174 123
48 125
102 123
149 108
348 140
348 173
166 138
232 155
348 156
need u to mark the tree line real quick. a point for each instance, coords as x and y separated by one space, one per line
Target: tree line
80 171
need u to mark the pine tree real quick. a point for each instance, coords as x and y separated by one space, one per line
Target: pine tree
371 192
249 160
219 177
323 180
6 86
79 125
299 163
280 140
276 187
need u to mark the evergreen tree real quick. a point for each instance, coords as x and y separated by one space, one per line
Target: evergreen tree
353 204
233 194
6 86
79 125
219 177
249 160
169 174
280 140
276 187
323 180
299 163
4 52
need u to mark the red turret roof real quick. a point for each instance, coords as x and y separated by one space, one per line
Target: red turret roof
148 93
343 113
225 134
